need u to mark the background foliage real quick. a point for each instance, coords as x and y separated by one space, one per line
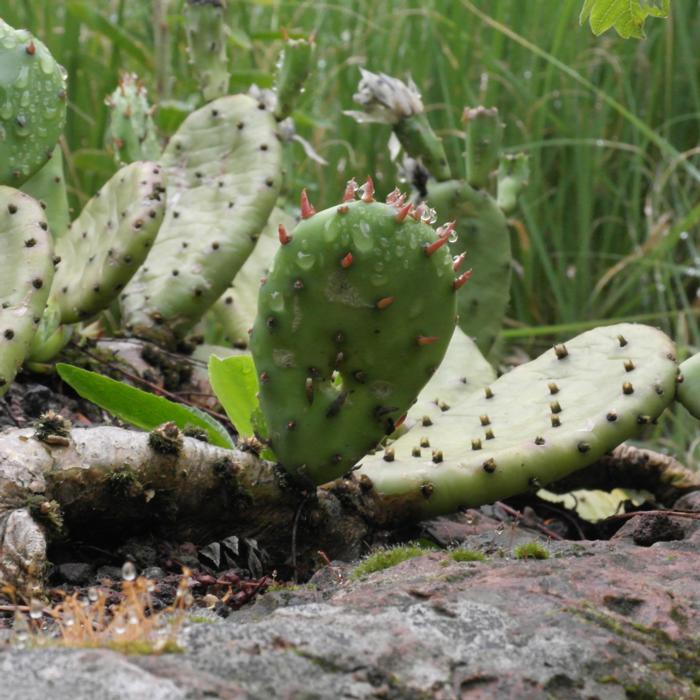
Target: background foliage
607 228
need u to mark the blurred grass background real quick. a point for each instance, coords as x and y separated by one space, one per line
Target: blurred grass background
607 228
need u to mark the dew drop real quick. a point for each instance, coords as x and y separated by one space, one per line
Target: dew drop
305 260
128 571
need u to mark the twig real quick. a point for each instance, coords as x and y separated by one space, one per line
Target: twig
519 516
693 515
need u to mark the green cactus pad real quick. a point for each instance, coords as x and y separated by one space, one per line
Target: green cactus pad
206 45
364 290
26 271
293 70
483 135
534 425
108 242
48 187
131 132
482 232
223 177
32 104
235 310
689 388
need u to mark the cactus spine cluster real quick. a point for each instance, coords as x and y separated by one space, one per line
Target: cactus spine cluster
32 104
353 319
533 425
482 230
26 271
131 132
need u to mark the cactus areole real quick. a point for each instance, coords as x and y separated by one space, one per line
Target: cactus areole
353 319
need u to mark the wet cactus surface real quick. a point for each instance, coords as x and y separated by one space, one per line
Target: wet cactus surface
32 104
353 319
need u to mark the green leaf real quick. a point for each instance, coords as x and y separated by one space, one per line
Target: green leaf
138 407
235 384
627 17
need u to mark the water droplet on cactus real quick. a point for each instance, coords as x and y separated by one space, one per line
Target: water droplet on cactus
3 133
277 301
453 237
362 237
22 80
128 571
6 110
305 260
46 63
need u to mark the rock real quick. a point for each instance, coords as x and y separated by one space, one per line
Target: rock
109 572
75 573
646 530
154 573
608 620
36 400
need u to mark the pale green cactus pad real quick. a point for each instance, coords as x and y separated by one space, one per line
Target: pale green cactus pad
108 242
32 104
131 132
533 425
223 172
48 187
26 271
689 388
462 372
235 310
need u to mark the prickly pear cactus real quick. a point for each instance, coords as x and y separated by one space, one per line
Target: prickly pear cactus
293 70
131 132
483 136
533 425
689 388
108 242
32 104
26 271
482 235
223 176
365 290
237 307
206 45
48 187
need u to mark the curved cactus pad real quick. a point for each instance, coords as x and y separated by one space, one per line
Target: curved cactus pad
32 104
107 243
354 318
689 388
482 233
223 177
534 425
235 310
26 271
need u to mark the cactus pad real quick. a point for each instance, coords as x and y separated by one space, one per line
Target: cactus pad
131 132
48 187
355 316
32 104
223 177
26 271
293 70
108 242
235 310
206 45
482 233
689 388
534 425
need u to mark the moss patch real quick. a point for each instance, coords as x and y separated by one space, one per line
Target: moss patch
531 550
386 558
466 555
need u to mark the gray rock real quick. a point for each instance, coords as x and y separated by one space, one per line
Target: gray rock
77 574
606 620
